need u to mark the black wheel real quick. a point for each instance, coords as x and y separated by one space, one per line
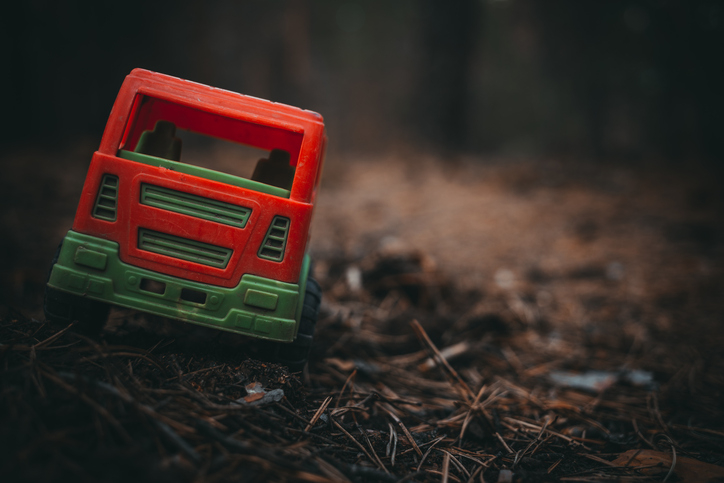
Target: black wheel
294 355
63 308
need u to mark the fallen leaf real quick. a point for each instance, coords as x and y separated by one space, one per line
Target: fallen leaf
658 463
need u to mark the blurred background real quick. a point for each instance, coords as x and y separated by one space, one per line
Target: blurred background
537 182
449 105
626 79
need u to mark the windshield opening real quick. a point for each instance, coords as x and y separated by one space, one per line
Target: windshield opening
252 150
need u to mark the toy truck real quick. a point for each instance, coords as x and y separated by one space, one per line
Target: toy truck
157 233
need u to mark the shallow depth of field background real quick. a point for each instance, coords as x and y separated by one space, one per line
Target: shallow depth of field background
630 80
538 183
608 94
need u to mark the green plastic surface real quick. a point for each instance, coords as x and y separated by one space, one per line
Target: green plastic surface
223 308
204 173
263 300
90 258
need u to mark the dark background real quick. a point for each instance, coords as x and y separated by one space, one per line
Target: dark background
579 88
537 179
624 80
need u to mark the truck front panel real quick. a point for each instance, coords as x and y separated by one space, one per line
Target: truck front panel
179 224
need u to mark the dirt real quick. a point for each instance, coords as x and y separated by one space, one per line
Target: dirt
524 273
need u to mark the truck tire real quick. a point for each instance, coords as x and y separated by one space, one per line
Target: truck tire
295 354
62 308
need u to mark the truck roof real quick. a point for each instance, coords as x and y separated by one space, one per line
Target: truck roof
218 101
215 95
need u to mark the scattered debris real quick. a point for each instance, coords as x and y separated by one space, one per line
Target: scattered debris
505 476
597 381
594 381
354 278
257 395
504 278
484 420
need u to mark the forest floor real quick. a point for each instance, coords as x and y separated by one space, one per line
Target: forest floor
481 321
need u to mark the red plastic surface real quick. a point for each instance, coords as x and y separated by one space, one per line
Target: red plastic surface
149 110
146 97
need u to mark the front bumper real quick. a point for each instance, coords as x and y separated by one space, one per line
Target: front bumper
90 267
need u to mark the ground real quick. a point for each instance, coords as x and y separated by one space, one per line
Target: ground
483 320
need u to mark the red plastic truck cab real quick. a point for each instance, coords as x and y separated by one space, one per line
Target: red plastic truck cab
159 234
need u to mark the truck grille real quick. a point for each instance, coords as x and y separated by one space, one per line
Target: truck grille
275 241
196 206
106 206
183 248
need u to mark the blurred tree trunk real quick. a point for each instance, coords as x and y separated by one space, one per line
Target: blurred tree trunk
449 31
